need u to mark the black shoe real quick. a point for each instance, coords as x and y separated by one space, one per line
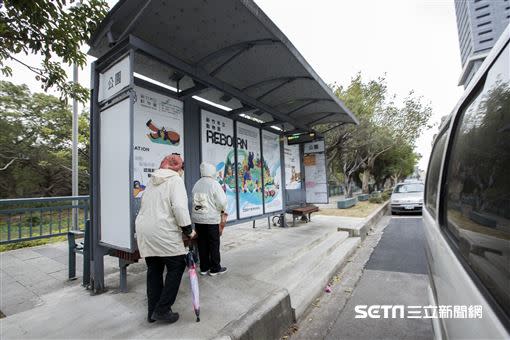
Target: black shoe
222 270
169 317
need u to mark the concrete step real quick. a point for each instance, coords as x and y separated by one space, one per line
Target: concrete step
293 268
306 290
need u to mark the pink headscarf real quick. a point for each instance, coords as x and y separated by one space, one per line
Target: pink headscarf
173 162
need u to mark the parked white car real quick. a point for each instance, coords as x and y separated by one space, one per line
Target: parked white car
407 197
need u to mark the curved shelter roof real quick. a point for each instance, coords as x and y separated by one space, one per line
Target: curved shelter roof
228 52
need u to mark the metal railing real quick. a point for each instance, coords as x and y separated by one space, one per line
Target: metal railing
26 219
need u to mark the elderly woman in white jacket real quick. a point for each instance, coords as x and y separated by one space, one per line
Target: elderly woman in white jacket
163 219
209 203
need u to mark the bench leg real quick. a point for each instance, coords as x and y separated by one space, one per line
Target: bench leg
253 224
86 256
123 264
71 241
309 217
293 220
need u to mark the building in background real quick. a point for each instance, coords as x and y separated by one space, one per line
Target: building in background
479 23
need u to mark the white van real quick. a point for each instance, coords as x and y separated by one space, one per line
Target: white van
467 208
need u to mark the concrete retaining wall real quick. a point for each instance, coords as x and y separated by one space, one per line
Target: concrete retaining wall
268 319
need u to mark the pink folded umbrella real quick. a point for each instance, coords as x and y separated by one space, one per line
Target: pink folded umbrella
193 279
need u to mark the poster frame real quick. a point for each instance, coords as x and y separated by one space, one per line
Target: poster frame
325 167
204 106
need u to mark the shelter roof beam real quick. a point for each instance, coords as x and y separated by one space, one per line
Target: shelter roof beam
202 76
239 46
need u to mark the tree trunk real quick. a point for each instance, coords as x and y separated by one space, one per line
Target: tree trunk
364 181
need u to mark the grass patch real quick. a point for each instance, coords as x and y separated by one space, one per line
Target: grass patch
361 209
33 243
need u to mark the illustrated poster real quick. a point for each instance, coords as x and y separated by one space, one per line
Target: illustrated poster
272 172
249 170
218 149
158 131
316 183
292 166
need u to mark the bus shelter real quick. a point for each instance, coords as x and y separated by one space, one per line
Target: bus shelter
214 81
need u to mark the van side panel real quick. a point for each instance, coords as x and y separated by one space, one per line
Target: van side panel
454 287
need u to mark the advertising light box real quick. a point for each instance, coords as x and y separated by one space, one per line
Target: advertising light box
272 172
158 131
292 167
249 169
115 176
316 181
218 149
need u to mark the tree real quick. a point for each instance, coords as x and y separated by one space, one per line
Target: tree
383 126
35 144
394 165
52 30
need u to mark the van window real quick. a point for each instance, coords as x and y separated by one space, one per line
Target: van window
478 183
433 173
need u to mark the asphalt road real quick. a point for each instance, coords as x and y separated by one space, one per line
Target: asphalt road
394 273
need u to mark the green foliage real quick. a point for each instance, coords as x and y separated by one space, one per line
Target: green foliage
386 195
35 144
52 30
33 243
384 128
377 199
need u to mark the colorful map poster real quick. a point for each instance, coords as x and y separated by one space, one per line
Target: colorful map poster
272 172
218 149
158 131
292 166
316 182
249 170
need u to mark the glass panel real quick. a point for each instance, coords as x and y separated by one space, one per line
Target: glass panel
433 174
478 183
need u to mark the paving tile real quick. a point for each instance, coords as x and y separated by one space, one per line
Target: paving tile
9 260
17 306
51 252
47 286
12 289
24 254
46 265
61 275
5 277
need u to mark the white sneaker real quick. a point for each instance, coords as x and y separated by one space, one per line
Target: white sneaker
222 270
204 273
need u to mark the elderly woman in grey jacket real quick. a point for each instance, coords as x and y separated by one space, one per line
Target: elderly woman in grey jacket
209 203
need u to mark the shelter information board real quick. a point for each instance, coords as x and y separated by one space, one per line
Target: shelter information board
218 149
158 128
316 183
115 79
249 170
292 167
272 172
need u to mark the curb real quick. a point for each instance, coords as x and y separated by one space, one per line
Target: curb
272 316
369 223
267 319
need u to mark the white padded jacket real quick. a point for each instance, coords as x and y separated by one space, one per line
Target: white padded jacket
163 211
209 199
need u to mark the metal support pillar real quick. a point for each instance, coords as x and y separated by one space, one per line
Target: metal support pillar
86 255
123 264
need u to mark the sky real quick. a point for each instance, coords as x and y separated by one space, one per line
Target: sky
413 43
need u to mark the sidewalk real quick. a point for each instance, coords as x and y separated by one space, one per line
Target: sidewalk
274 274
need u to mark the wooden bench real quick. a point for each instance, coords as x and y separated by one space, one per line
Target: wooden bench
305 213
